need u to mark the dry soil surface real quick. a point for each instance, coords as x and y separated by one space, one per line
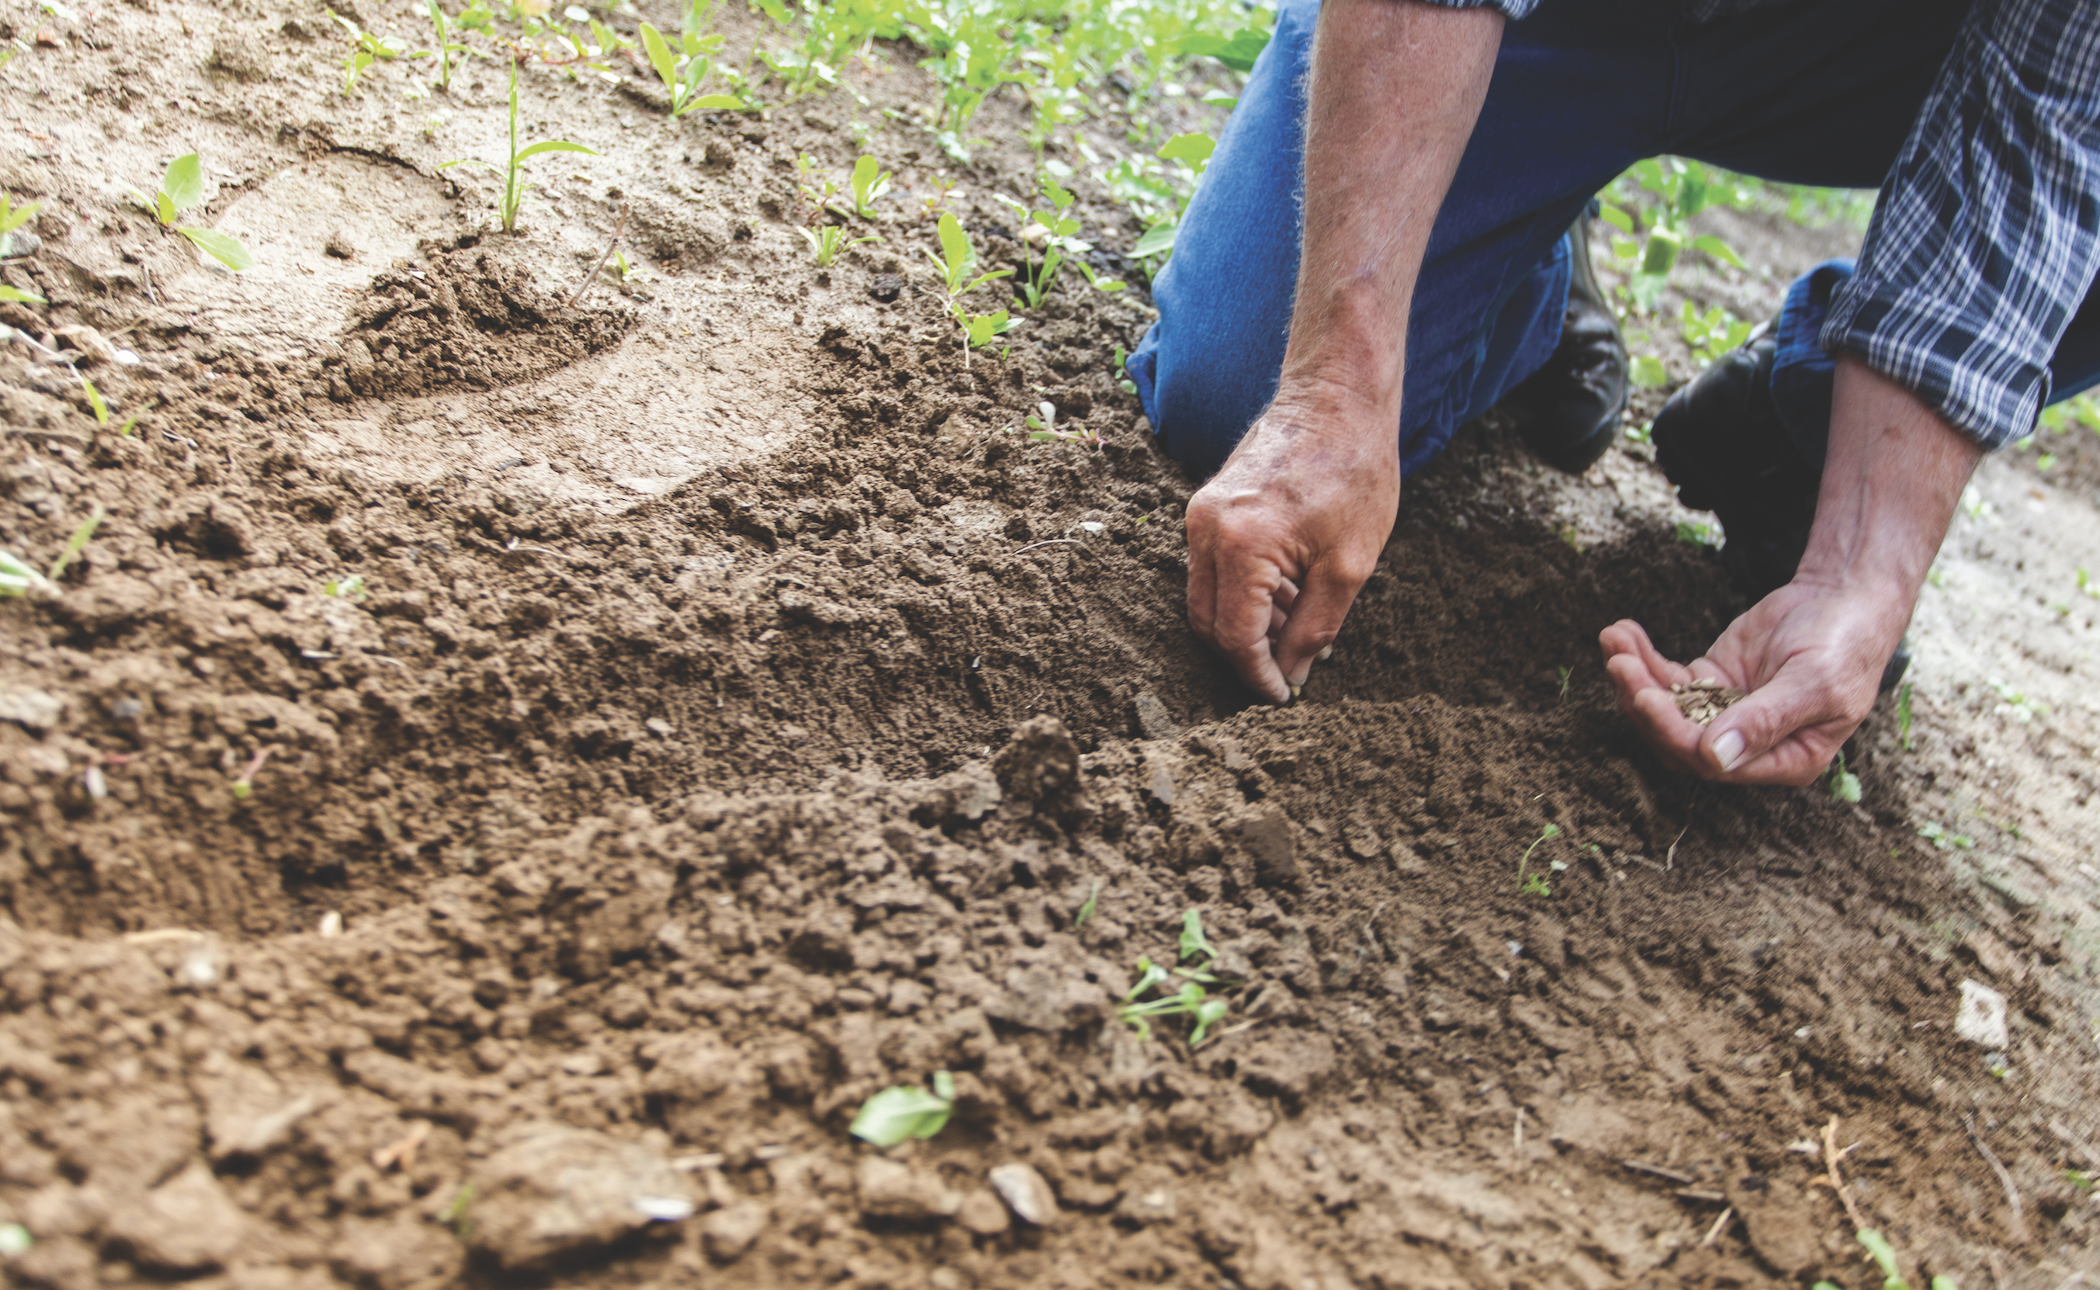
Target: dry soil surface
739 713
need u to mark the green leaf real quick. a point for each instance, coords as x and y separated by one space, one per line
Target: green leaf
1192 939
716 103
552 145
985 326
1208 1013
1086 911
903 1111
1195 149
1884 1254
17 296
183 185
77 543
956 250
1238 53
1718 249
95 401
163 209
1615 217
1157 240
775 10
1648 372
660 56
13 217
220 247
1663 245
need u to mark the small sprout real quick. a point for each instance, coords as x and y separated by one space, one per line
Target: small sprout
957 265
348 587
1193 941
367 49
1086 911
905 1111
15 1240
682 63
1565 677
1648 372
447 47
2087 585
1844 785
181 188
1642 433
1208 1013
456 1216
1149 975
13 217
1535 885
245 785
2079 1179
869 181
1058 233
826 241
1936 833
77 543
514 185
1695 534
1903 735
18 579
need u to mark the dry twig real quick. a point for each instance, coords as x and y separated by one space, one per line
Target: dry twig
1720 1225
2005 1178
401 1153
619 231
1835 1180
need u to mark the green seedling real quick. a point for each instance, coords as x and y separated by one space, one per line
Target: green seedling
367 49
181 188
2079 1179
904 1111
1086 911
1682 189
1712 333
77 543
868 181
1844 785
96 403
1648 372
1903 735
683 66
1058 232
1695 534
449 52
827 239
1535 885
1193 942
456 1215
957 265
1045 427
819 196
2021 708
514 185
13 217
351 587
1936 833
1133 182
2086 585
244 786
1189 1001
1565 676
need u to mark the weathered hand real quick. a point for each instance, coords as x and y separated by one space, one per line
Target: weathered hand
1809 656
1283 537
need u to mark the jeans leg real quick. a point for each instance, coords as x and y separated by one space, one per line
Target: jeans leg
1573 90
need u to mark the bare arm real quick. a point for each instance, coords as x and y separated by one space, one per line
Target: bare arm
1811 652
1281 540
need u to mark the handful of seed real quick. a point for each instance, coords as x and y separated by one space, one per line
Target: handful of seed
1703 700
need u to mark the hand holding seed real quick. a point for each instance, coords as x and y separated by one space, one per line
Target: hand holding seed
1774 698
1283 537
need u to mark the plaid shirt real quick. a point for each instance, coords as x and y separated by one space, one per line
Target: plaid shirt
1987 233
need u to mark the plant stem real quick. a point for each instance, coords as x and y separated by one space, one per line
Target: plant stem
619 231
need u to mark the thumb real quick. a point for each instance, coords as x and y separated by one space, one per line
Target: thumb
1315 619
1742 740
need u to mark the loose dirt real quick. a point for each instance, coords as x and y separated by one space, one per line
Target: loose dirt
740 710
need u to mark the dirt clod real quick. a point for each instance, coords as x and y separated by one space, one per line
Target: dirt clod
1025 1192
550 1190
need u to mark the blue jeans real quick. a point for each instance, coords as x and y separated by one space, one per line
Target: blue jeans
1821 92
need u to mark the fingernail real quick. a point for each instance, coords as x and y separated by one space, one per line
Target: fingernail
1325 654
1728 749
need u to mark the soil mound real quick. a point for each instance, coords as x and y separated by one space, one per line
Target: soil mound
466 320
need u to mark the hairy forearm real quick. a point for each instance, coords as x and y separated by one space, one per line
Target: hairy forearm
1892 476
1396 89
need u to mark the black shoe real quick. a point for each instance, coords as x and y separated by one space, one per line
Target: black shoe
1720 440
1568 411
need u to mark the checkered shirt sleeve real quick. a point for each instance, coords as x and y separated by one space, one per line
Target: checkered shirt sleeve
1987 233
1510 9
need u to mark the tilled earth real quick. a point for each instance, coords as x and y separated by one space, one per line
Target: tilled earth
737 715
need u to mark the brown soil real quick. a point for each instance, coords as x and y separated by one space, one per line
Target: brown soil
739 713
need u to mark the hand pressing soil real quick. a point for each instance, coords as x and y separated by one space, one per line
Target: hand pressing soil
1703 700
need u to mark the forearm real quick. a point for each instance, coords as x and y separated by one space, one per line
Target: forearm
1396 89
1892 476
